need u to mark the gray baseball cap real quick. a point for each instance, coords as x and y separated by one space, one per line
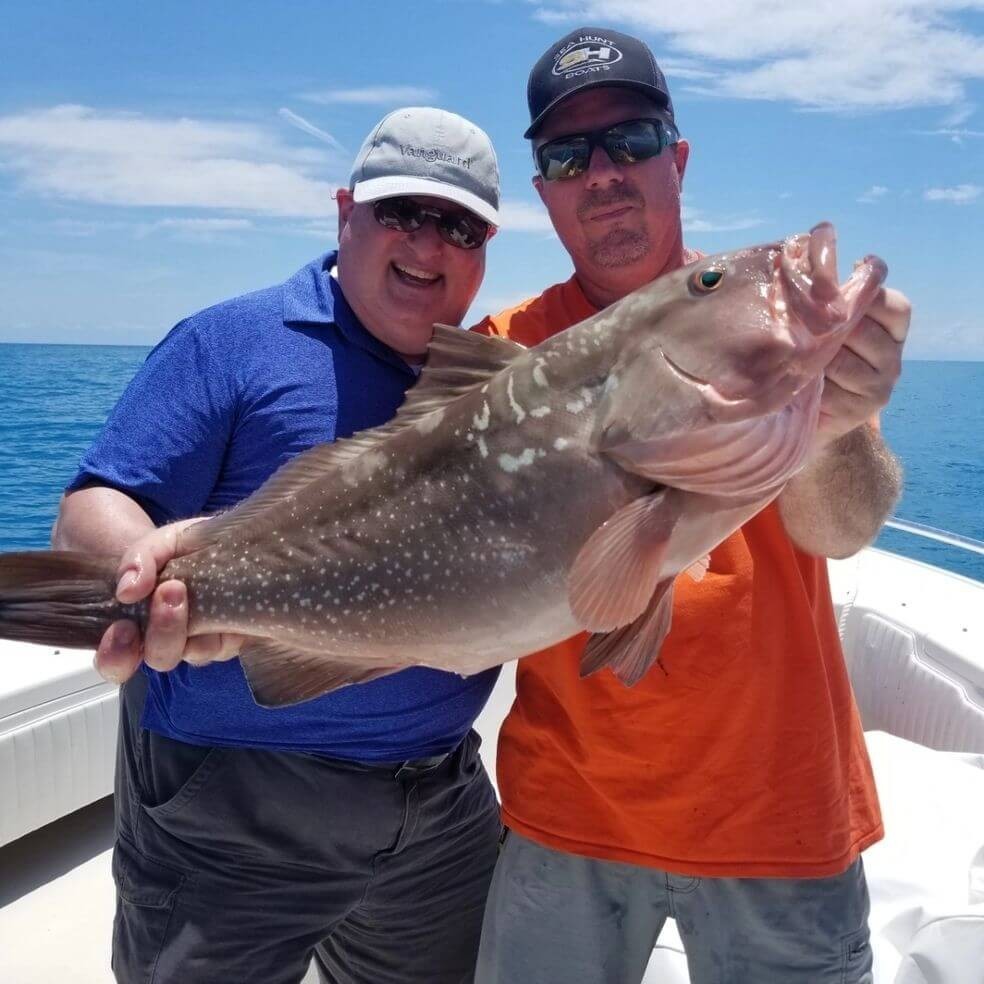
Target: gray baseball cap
425 151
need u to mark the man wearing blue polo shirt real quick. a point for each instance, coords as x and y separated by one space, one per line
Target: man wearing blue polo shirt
361 823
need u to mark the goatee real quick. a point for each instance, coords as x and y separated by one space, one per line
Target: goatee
619 246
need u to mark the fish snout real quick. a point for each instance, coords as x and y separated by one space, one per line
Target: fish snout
806 294
862 286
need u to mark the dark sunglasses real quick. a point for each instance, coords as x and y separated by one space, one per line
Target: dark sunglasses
455 226
625 143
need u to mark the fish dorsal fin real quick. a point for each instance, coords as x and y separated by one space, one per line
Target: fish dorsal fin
457 361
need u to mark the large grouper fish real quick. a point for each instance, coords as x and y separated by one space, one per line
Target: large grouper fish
519 496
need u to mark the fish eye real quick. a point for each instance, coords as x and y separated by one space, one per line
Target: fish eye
704 281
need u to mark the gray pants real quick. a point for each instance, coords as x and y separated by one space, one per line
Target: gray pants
237 865
556 918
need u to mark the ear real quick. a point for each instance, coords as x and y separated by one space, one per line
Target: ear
345 201
681 156
538 184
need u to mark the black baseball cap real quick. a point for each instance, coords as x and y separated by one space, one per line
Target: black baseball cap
591 56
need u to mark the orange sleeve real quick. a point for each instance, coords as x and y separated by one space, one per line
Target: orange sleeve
488 326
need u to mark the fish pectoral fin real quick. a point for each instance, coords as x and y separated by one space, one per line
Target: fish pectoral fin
617 570
278 674
632 650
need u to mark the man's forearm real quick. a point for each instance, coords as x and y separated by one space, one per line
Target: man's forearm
97 519
837 504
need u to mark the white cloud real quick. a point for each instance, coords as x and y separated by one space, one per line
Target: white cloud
694 220
962 194
958 115
524 217
81 154
957 340
870 54
294 119
956 134
204 225
375 95
874 194
325 231
80 229
681 68
198 229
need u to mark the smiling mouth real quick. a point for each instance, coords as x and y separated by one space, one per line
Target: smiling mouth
415 276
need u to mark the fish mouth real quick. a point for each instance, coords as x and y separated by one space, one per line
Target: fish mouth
806 297
708 390
809 314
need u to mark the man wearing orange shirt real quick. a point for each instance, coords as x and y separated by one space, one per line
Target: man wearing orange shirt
732 791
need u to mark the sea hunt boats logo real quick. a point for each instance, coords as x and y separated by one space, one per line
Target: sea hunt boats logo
432 154
587 54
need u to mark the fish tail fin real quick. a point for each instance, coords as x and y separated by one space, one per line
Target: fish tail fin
58 598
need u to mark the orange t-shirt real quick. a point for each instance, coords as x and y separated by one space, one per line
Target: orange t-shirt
744 758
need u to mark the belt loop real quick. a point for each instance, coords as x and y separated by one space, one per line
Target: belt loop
410 813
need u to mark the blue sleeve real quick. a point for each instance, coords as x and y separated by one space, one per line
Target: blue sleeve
165 441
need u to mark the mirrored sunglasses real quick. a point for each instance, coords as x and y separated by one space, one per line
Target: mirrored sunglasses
455 226
625 143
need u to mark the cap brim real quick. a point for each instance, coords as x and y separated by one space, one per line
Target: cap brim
392 185
656 94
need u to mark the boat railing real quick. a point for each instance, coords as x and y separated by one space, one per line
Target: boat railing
940 536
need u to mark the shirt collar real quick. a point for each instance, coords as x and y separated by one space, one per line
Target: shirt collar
314 297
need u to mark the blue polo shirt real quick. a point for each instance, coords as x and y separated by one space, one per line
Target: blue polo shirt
223 401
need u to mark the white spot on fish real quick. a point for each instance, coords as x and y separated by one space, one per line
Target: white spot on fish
561 443
575 406
481 422
511 463
539 411
430 422
539 376
483 447
519 411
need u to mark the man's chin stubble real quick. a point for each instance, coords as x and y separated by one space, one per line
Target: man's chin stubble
619 248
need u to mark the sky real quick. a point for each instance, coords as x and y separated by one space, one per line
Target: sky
155 159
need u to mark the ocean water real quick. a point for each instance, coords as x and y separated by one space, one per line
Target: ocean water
53 399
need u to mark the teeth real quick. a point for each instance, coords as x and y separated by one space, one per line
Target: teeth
416 272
